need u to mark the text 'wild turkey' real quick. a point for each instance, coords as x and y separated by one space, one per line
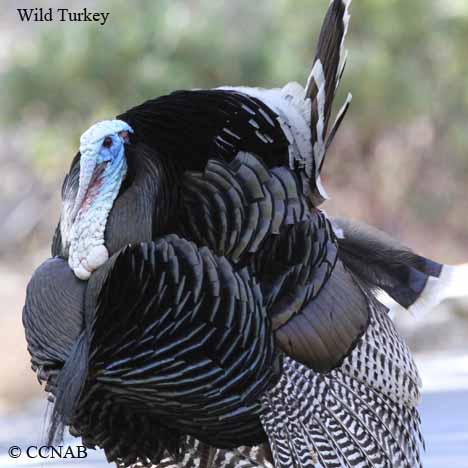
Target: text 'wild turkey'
200 309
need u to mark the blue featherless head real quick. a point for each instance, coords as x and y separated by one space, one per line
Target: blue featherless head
103 167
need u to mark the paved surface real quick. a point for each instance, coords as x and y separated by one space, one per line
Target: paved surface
444 414
445 428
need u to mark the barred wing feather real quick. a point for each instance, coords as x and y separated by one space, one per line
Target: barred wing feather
361 414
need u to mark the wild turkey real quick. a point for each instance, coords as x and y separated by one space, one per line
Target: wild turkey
222 307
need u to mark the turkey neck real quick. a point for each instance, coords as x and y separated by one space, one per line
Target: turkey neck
147 204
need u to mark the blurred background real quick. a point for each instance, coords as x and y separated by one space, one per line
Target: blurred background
400 161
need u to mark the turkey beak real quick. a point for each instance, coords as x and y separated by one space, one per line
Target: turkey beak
87 169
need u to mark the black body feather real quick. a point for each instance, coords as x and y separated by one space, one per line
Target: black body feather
194 126
176 339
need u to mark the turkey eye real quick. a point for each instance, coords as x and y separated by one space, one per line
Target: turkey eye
107 142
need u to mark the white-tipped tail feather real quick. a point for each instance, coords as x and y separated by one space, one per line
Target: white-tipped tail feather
452 283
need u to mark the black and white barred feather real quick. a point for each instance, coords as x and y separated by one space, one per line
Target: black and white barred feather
362 414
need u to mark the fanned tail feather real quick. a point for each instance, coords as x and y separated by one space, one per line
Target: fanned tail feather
322 84
336 124
360 415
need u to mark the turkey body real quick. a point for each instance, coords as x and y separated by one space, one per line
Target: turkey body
232 310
